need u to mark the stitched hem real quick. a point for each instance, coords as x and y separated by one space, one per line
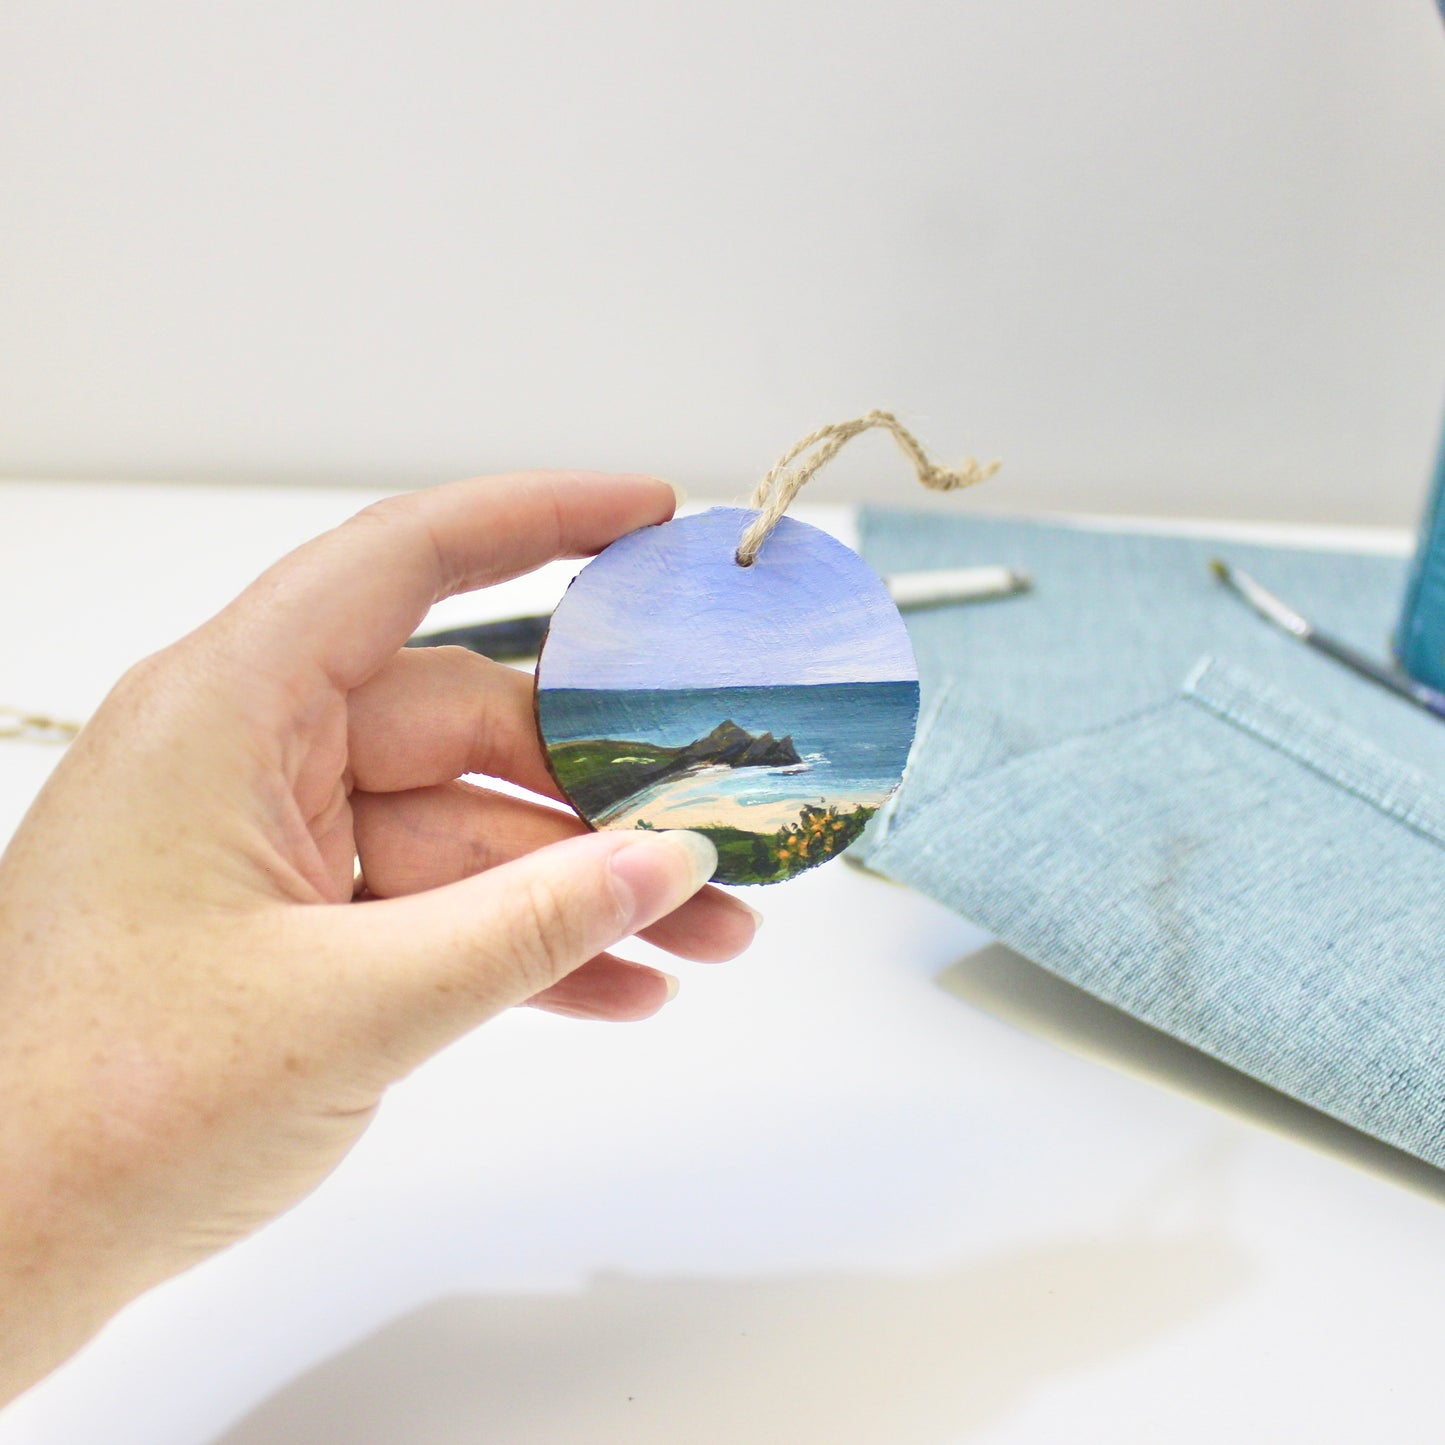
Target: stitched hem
1323 746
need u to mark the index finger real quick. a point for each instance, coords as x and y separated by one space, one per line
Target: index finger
346 601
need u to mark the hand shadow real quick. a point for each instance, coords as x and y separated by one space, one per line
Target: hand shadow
1018 991
836 1358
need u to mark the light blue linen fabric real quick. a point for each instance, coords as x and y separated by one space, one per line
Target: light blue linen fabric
1131 779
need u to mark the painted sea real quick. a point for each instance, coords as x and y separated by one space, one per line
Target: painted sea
779 776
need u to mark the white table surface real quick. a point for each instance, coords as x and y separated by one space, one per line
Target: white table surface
877 1182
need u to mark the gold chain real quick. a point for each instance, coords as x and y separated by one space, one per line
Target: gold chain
16 725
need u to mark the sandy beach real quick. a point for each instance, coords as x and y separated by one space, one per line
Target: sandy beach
737 798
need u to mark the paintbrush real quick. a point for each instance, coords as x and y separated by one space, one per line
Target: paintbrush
517 638
1272 609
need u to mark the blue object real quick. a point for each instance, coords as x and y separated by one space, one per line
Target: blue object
1420 637
1136 782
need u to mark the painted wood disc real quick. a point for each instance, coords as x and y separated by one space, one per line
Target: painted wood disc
771 707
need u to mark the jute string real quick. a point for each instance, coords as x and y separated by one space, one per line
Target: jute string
776 491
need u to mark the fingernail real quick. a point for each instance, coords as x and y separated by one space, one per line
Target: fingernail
672 986
748 908
700 850
679 492
647 869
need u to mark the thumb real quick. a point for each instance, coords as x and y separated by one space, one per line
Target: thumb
433 965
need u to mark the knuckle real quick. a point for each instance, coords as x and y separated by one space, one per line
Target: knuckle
142 693
546 941
407 515
142 679
398 507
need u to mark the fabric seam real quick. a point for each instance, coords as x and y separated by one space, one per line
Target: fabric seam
1324 747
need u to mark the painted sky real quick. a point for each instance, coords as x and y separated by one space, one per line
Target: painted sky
669 607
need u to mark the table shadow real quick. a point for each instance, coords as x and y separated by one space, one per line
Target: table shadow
843 1359
1019 991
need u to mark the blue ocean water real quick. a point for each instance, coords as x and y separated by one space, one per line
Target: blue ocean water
853 739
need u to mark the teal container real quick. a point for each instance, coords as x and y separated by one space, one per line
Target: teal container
1420 637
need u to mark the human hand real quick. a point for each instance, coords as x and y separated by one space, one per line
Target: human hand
196 1020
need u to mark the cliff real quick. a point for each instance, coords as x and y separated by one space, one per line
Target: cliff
728 743
598 775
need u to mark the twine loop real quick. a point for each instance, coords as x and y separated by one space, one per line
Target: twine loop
775 493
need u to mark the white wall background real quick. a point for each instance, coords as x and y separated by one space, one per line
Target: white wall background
1161 255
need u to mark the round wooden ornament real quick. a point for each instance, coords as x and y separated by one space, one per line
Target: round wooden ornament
769 706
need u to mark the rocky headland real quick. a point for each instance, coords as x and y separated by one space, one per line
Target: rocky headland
599 774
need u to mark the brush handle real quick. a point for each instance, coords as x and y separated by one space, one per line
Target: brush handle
953 584
519 638
514 640
1398 682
